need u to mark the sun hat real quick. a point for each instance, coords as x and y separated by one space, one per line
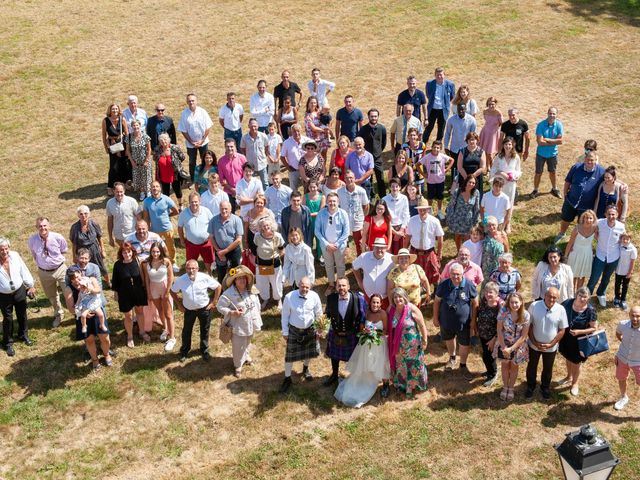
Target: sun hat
404 252
310 142
237 272
380 242
423 203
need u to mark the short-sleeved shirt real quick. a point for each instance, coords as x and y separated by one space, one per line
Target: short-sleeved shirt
496 206
196 226
267 248
225 233
293 151
583 192
516 131
230 169
628 253
247 189
506 281
195 294
629 351
432 229
352 202
455 306
124 216
195 124
213 200
231 117
374 272
608 245
278 199
349 121
546 323
472 272
436 167
359 165
549 131
158 209
417 100
280 93
255 150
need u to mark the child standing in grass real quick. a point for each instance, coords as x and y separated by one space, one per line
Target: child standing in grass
511 347
628 356
89 302
474 244
437 165
275 144
624 271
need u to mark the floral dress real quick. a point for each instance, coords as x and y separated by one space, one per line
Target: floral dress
410 280
488 319
511 333
491 251
313 172
141 174
321 139
411 372
463 215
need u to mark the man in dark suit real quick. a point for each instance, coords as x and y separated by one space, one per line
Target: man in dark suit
440 92
345 313
160 123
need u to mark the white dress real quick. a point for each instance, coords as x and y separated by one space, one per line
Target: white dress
367 366
501 165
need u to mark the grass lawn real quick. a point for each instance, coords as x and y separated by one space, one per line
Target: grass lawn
63 63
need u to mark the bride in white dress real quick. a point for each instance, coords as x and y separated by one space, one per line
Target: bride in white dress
369 364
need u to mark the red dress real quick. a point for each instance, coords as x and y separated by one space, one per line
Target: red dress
376 231
165 169
340 162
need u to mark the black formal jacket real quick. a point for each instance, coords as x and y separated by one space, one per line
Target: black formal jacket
169 128
352 319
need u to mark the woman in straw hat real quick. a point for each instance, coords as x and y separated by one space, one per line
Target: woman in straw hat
240 306
408 276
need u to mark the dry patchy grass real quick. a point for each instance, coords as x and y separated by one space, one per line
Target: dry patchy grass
63 63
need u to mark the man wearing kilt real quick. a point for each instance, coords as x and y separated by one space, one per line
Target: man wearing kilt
299 310
343 309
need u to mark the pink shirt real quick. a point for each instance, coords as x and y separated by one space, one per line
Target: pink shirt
473 272
435 167
231 171
48 254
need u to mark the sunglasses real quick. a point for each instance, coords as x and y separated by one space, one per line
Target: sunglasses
159 109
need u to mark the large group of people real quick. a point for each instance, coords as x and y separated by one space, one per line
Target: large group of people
280 204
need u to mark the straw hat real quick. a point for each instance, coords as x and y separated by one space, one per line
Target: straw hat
237 272
423 203
310 142
404 252
379 242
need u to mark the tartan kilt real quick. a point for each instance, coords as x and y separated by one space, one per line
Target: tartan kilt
431 266
341 347
297 351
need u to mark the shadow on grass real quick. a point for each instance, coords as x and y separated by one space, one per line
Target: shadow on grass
93 192
41 374
551 218
151 361
574 415
195 369
624 11
319 399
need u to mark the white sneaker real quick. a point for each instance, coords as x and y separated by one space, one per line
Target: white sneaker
163 336
603 300
620 404
575 390
279 306
176 268
169 345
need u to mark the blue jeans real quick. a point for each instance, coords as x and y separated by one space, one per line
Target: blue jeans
367 187
235 134
263 176
600 268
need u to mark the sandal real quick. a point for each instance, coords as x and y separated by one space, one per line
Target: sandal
96 365
130 343
237 373
510 394
503 393
108 362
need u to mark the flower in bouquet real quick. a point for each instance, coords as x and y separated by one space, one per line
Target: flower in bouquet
321 325
369 335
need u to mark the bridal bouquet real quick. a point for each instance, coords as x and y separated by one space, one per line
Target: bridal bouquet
369 335
321 325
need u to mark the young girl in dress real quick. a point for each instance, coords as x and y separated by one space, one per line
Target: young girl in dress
298 260
368 365
579 250
474 244
512 347
89 302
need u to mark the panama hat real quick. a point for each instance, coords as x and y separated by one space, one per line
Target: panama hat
404 252
380 242
423 203
310 142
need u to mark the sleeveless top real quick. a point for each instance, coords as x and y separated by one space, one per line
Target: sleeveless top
157 276
340 162
471 160
605 200
376 231
286 117
113 130
313 205
404 179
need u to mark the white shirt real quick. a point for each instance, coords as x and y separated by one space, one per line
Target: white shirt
352 202
343 304
247 189
298 263
255 150
124 216
274 141
300 312
277 199
18 274
140 115
495 206
231 118
629 351
475 248
196 226
293 151
212 201
195 124
628 253
195 293
398 209
321 93
330 232
431 230
547 323
374 272
608 246
262 108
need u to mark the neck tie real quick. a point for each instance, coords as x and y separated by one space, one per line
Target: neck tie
404 129
422 233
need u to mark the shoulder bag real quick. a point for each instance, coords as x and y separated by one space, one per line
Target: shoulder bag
593 343
118 146
269 269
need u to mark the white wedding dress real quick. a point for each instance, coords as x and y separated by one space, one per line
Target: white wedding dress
367 366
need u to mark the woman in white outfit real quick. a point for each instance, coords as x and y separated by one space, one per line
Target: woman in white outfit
269 250
552 272
298 260
507 166
240 306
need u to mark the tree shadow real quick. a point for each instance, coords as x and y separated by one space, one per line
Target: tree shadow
317 398
624 11
574 415
38 375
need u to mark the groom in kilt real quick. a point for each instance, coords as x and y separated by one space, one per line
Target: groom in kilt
345 310
299 310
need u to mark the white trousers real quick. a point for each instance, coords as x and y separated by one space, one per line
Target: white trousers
275 281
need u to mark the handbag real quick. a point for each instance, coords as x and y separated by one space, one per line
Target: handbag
269 269
593 343
118 146
225 332
248 260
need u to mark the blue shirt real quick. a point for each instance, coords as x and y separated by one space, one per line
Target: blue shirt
196 227
417 100
584 186
455 307
457 130
225 233
341 220
349 122
552 132
158 210
359 165
277 200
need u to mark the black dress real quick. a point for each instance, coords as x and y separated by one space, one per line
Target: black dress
119 165
577 321
127 283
